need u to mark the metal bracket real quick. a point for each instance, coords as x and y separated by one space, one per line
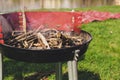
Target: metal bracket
76 54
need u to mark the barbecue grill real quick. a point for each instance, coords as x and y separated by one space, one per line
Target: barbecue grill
68 21
54 55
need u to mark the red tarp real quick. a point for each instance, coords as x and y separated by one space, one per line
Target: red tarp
67 21
58 20
91 16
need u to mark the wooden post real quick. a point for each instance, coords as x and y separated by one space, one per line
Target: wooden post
66 4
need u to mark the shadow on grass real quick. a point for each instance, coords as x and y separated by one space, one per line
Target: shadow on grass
84 75
18 69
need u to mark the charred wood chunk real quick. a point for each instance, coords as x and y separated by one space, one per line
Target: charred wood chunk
66 41
55 43
45 39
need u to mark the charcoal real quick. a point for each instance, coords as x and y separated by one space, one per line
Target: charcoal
45 39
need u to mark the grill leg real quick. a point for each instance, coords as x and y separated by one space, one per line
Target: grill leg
75 73
1 75
72 70
59 71
72 67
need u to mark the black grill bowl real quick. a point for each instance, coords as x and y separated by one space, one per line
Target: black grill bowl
44 56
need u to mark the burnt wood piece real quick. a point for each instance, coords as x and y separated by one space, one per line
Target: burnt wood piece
47 39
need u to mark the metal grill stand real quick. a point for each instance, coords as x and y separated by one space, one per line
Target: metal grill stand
59 71
72 68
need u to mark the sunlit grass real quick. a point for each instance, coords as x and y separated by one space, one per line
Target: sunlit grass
103 55
101 8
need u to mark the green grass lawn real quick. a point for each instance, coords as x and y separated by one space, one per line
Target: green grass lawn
101 61
103 55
